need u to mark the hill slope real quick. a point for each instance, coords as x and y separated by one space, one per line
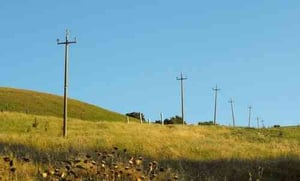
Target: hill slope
31 102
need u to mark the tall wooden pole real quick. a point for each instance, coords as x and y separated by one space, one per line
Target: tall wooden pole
216 97
141 118
66 43
161 119
250 111
181 78
232 111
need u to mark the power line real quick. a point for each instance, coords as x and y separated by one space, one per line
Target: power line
215 110
66 43
181 78
257 120
232 111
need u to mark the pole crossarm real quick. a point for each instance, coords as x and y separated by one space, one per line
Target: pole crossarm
66 42
65 116
181 78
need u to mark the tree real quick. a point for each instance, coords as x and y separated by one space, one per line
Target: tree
172 120
136 115
206 123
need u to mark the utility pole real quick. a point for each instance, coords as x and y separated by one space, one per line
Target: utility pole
181 78
66 43
161 119
141 118
257 119
262 123
232 111
249 121
216 97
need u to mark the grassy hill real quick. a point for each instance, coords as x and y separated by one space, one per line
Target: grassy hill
31 129
31 102
191 152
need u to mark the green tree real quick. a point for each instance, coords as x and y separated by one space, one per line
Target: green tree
206 123
172 120
136 115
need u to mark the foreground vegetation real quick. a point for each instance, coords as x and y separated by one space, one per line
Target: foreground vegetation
31 102
191 152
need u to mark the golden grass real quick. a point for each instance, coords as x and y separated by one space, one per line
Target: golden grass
176 141
168 144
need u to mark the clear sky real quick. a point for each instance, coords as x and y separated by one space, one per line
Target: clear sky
129 54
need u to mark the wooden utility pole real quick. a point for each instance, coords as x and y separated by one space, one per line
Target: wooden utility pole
232 111
181 78
161 119
257 119
216 97
66 43
249 121
141 118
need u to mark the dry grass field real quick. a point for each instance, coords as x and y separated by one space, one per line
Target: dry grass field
186 152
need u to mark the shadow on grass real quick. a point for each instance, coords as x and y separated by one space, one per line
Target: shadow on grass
287 168
282 168
37 156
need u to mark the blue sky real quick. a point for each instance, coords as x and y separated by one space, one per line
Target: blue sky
129 54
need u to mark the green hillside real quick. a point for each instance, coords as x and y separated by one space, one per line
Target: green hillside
31 102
